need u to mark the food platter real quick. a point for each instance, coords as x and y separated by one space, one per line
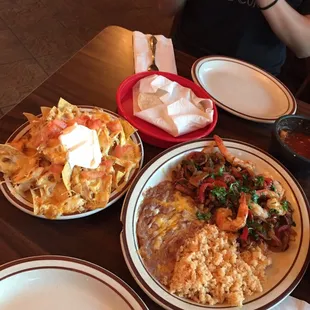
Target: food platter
287 268
26 206
243 89
59 282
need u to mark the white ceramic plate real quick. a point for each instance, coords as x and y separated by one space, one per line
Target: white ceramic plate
62 283
243 89
288 267
26 206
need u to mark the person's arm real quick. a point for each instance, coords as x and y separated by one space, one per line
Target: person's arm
290 26
170 7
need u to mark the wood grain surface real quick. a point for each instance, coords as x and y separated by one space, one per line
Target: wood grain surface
92 77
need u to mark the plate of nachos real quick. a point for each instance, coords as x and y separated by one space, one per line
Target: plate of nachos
69 162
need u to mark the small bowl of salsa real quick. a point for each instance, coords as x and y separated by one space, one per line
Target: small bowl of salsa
291 137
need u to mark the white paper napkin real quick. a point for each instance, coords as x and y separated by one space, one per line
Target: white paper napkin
164 55
291 303
170 106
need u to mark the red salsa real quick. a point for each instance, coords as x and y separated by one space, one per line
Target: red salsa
297 141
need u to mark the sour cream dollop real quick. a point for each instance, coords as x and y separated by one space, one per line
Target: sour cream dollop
82 145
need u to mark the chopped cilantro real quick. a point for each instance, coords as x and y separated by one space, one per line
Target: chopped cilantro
253 233
285 205
234 188
203 216
273 188
245 177
254 197
220 193
221 171
250 207
212 175
233 191
273 212
244 189
259 181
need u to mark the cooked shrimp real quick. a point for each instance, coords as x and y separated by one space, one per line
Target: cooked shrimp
258 211
274 204
279 189
223 216
209 148
233 159
267 193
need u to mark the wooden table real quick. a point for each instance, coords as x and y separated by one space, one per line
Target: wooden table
91 77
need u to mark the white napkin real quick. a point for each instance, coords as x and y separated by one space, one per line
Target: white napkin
170 106
291 303
164 55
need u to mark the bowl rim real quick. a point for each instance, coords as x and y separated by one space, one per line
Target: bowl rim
284 145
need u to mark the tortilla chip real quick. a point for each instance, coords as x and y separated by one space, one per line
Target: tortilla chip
32 118
45 112
11 159
28 169
66 176
104 141
128 128
52 114
118 177
67 109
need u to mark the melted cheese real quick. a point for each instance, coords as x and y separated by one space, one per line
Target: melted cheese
165 224
82 145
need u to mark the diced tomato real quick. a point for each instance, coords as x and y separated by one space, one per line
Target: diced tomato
81 120
268 183
85 120
245 233
114 126
59 123
119 151
92 174
107 163
56 168
53 130
201 194
94 124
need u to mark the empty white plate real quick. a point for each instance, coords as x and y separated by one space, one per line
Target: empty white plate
62 283
243 89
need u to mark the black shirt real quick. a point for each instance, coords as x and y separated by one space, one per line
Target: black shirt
235 28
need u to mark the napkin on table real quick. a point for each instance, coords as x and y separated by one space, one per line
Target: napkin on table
291 303
164 54
170 106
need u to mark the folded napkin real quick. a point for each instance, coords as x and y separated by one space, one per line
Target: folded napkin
291 303
164 54
170 106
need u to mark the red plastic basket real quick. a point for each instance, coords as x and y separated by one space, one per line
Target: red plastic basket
148 132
